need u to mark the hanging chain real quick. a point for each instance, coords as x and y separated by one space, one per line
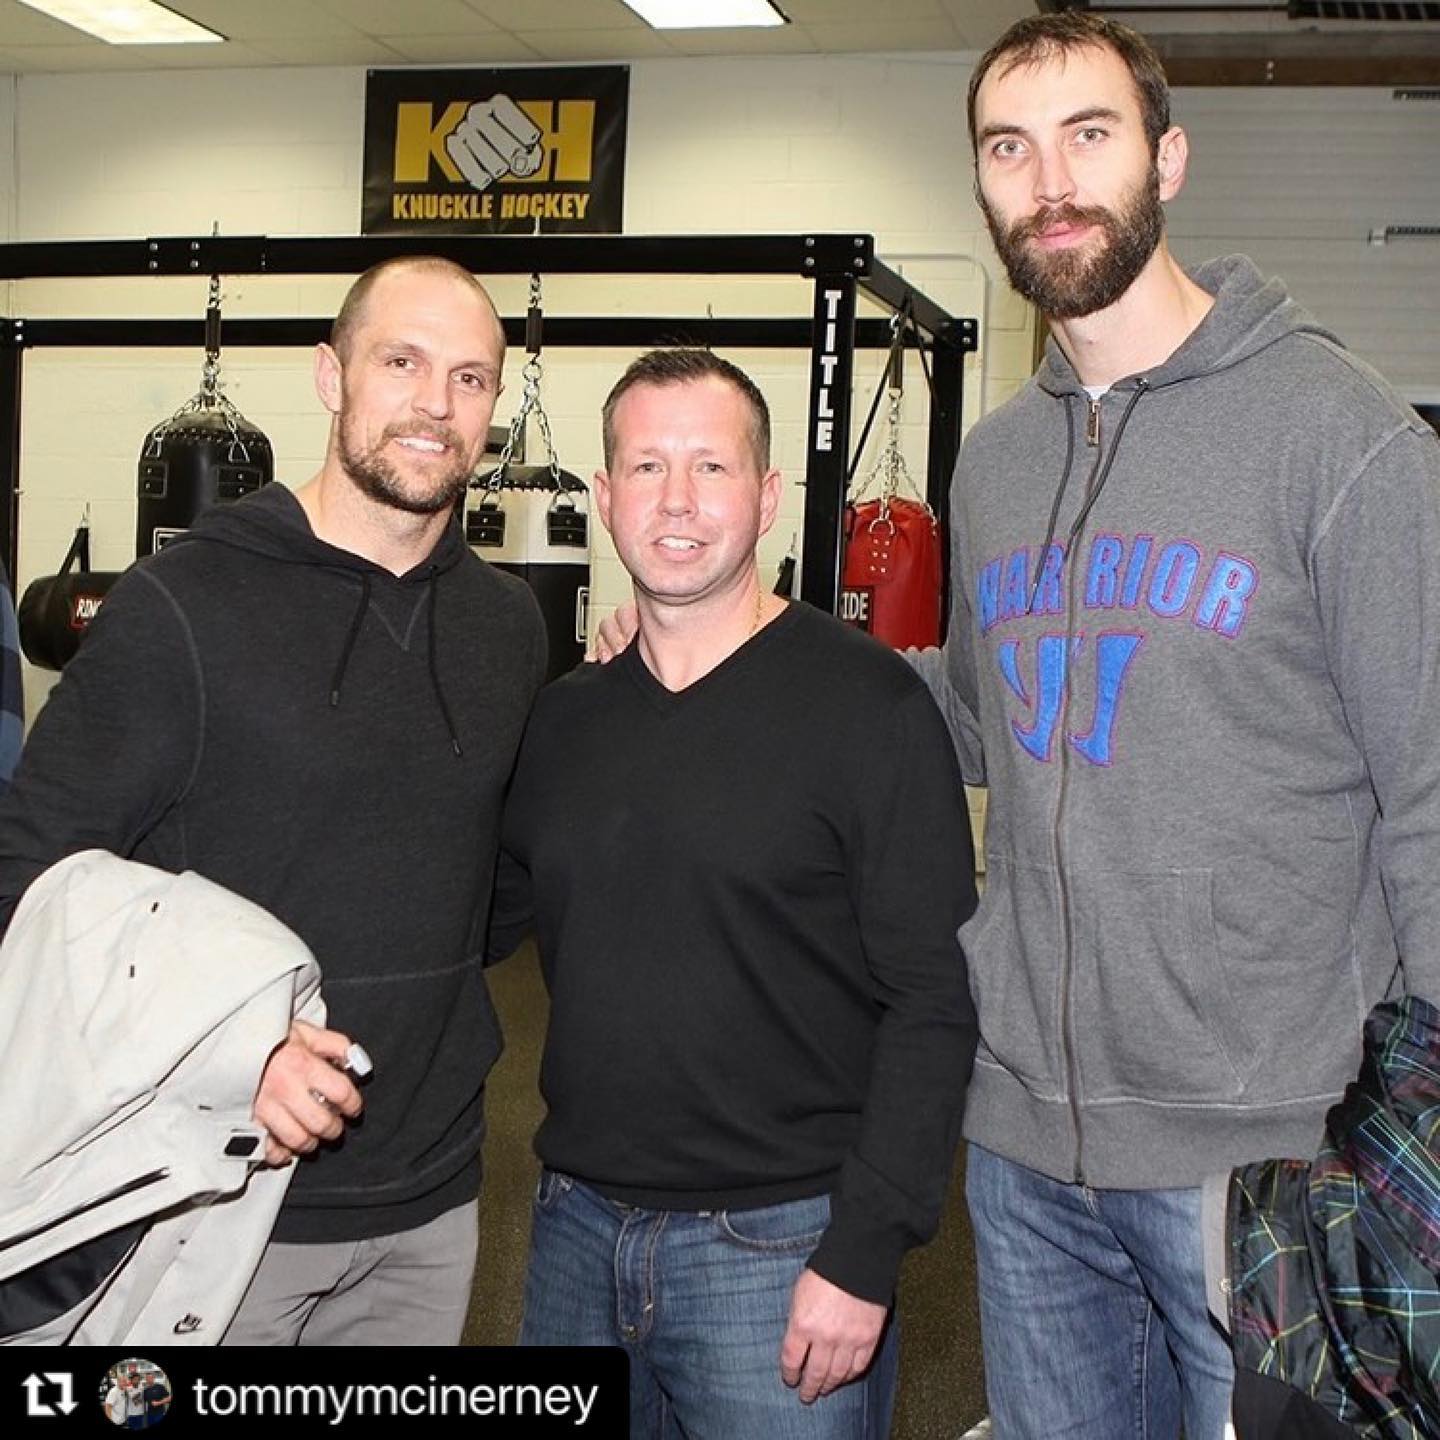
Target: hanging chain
530 404
890 467
210 375
211 396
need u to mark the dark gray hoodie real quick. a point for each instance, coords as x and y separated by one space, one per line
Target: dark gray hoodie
332 742
1206 712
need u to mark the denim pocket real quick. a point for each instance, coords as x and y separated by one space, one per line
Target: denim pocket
551 1188
794 1225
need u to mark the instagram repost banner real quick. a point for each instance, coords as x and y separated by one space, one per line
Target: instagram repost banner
184 1392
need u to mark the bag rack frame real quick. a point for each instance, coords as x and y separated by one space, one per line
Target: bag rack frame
837 265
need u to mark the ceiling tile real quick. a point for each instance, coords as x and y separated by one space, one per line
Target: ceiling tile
492 48
522 15
597 44
20 25
807 11
792 40
58 59
349 49
982 22
254 19
878 36
412 17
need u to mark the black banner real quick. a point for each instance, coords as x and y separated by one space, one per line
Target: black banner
493 152
529 1393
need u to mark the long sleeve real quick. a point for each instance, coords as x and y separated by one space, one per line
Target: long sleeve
115 745
948 670
1377 582
912 879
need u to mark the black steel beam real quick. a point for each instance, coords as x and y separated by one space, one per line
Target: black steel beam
561 332
805 255
827 440
12 365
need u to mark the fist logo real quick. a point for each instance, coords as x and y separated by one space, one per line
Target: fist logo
495 138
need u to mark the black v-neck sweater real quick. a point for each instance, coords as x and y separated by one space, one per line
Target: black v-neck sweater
746 896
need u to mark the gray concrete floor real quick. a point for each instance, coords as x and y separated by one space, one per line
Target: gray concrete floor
941 1386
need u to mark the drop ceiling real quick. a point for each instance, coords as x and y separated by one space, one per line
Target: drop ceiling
1202 41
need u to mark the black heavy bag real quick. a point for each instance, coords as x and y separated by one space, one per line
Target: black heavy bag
56 610
201 455
206 453
534 522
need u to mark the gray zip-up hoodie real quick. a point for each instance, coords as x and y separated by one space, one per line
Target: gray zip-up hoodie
1207 711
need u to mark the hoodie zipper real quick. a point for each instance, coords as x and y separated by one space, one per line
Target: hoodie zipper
1067 927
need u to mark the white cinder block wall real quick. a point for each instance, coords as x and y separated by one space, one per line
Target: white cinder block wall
874 144
715 147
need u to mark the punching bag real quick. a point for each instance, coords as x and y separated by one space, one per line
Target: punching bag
891 580
890 584
535 523
534 520
206 453
56 610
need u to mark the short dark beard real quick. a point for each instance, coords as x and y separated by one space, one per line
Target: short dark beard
377 477
1068 284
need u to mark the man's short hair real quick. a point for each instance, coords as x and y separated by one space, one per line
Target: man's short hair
1038 38
683 366
352 308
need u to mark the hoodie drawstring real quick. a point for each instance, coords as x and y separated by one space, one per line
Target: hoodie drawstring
435 675
1142 387
353 635
350 638
1055 504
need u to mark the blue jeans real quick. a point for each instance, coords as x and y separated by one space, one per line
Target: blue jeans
1092 1309
700 1302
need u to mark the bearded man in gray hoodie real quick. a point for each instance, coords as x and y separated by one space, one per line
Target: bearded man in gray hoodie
1193 655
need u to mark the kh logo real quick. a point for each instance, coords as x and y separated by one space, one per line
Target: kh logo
65 1401
482 142
1114 650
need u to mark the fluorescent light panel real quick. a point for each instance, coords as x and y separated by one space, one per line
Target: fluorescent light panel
706 14
127 22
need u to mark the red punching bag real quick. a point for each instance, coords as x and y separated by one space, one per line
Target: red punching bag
890 583
890 586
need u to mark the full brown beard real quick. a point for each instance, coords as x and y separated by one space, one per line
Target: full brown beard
1066 284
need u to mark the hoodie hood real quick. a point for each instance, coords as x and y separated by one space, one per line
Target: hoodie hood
1249 315
272 522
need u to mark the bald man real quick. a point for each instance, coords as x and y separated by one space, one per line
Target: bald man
314 698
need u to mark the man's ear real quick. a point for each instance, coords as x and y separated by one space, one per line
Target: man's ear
329 378
770 488
1172 158
601 482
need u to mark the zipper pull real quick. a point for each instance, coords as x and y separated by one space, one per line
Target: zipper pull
1092 424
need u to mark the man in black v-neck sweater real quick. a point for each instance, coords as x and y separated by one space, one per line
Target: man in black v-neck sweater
745 848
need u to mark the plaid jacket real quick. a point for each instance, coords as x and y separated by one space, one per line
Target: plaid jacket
1335 1263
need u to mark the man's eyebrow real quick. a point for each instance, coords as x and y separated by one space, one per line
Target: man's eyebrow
990 132
1093 112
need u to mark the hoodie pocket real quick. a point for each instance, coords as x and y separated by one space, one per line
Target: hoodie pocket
1156 1016
1012 953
